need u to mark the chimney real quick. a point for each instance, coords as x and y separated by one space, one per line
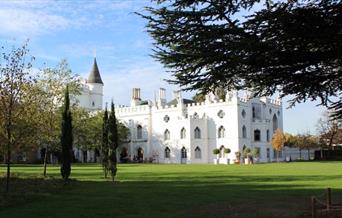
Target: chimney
162 98
136 100
136 94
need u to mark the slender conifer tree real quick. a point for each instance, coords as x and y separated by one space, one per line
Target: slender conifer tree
104 147
66 138
112 141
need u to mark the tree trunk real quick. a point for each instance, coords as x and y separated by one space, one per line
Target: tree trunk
45 160
9 137
308 154
300 154
322 154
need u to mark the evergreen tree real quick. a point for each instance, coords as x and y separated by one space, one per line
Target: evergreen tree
66 138
113 141
104 146
290 47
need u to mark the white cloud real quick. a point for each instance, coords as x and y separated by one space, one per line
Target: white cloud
18 21
32 18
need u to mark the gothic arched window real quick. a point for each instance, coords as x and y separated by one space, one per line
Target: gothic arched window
139 132
166 134
197 132
257 135
183 133
167 152
183 153
198 154
244 132
243 113
221 132
275 122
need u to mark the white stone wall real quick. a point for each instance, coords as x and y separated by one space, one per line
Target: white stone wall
204 116
91 97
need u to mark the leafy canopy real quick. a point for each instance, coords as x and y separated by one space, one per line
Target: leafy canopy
290 47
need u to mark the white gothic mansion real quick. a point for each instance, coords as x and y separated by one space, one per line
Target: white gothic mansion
180 130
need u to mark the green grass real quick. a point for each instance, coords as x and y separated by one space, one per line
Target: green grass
145 190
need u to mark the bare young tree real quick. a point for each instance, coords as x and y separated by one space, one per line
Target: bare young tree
15 83
328 130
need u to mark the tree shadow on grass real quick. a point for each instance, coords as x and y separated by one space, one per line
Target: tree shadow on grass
172 195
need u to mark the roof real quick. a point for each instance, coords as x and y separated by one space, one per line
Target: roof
94 76
184 100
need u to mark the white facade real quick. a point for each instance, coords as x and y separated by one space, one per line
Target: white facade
91 97
181 132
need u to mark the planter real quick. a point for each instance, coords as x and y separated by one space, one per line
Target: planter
224 160
216 161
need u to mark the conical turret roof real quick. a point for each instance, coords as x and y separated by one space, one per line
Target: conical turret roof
94 76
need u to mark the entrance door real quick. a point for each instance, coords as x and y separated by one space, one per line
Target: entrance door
268 155
183 156
140 155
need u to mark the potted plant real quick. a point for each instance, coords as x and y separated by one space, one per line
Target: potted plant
256 154
246 155
216 151
238 156
227 151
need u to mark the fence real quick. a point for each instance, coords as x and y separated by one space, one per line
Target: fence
325 208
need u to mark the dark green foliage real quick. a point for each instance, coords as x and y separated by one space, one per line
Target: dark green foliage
104 147
294 47
113 142
66 138
216 151
113 134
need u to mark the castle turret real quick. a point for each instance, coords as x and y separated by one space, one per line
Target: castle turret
95 85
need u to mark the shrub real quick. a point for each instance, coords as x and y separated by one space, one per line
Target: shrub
226 150
216 151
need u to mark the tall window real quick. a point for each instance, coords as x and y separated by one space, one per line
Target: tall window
244 132
257 136
243 113
198 154
183 133
139 132
268 135
167 152
183 152
167 135
275 122
221 131
197 133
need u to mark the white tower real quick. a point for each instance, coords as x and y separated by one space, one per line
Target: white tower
95 86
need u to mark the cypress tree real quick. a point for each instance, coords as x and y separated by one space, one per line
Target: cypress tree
112 141
66 138
104 147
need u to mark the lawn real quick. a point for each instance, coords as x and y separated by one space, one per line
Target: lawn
146 190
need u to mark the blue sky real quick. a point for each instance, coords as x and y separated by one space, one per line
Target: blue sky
74 29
